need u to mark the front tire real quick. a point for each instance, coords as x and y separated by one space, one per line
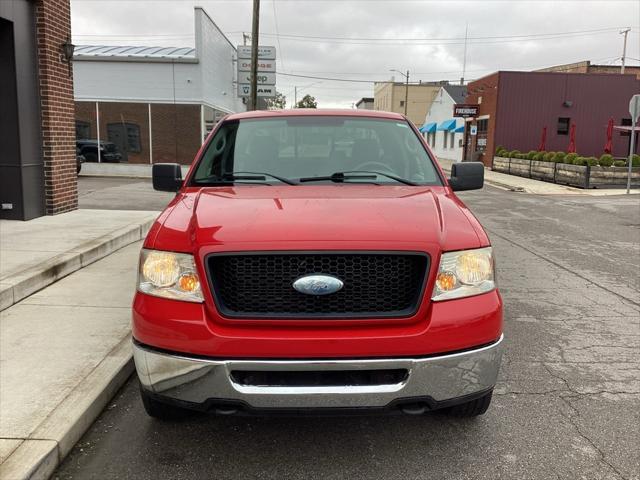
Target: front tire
473 408
161 410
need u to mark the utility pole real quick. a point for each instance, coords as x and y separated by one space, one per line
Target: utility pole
295 97
624 32
406 94
255 29
245 37
464 56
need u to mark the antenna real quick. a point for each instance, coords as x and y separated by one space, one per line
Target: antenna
464 56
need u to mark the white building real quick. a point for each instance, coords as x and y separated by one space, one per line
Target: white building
443 132
156 103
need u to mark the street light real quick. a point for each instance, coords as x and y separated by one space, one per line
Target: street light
406 88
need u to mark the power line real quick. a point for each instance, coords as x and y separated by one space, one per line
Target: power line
275 21
417 39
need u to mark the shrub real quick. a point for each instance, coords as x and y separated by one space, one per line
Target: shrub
548 157
521 156
570 158
619 163
531 154
592 161
580 161
559 157
606 160
539 156
635 160
513 153
499 150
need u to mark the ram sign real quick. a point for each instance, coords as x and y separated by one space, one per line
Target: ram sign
465 110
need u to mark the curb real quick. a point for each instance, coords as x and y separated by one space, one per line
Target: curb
37 457
31 280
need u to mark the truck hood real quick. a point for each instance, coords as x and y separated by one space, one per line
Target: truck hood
280 217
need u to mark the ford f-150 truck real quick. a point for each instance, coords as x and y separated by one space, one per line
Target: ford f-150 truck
316 261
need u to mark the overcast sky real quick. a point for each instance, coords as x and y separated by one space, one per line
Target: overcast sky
380 34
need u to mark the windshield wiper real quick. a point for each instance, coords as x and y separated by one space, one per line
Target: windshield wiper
257 176
388 175
337 177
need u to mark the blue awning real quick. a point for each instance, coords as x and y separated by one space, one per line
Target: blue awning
459 129
428 127
447 125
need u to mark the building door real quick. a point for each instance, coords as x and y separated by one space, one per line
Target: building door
117 134
468 148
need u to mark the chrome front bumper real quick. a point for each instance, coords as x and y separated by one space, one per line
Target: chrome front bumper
201 381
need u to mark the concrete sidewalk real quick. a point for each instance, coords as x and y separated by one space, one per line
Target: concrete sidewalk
64 352
131 170
38 252
528 185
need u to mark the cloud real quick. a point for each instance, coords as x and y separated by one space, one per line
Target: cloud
170 23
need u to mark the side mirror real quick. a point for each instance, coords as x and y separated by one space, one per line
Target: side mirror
466 176
167 177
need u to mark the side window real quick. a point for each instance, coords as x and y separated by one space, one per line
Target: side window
563 125
83 130
125 135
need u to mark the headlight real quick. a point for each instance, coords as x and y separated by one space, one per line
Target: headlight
169 275
464 273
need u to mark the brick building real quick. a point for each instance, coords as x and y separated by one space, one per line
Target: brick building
514 107
37 147
587 67
157 104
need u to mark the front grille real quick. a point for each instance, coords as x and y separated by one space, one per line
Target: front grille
260 285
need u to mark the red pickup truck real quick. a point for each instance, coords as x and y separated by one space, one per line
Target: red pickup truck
316 261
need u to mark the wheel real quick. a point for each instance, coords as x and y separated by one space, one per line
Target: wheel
473 408
160 410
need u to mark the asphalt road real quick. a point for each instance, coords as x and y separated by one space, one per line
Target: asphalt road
566 405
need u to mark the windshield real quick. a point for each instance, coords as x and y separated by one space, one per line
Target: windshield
297 148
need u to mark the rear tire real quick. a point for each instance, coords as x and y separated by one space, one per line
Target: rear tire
473 408
160 410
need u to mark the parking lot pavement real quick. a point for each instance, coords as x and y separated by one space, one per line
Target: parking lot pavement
566 405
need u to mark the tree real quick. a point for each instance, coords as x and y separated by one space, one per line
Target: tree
307 102
279 102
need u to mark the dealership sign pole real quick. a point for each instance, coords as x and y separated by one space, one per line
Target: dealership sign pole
634 110
254 54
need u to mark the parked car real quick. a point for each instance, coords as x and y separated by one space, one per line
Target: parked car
79 160
288 277
108 151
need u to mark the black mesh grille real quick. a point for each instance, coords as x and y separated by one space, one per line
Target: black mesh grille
261 284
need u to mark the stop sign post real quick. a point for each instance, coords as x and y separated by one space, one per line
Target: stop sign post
634 110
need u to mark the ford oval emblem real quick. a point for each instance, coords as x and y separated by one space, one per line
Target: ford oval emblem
318 284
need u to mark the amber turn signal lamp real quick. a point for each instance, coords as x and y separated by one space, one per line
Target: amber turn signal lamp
446 281
189 282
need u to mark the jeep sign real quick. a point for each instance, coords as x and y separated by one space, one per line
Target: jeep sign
465 110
